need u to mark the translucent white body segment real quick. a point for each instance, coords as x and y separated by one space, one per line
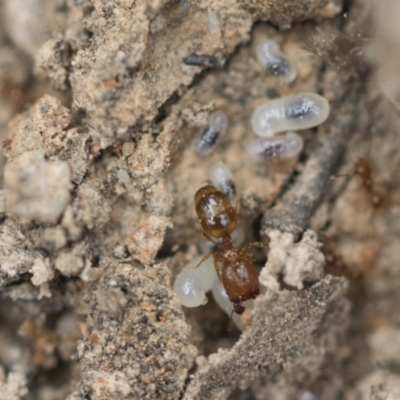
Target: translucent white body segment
205 271
223 301
296 112
208 137
280 147
189 288
192 283
270 56
222 178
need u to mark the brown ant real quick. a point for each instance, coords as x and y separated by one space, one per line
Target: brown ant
363 169
234 267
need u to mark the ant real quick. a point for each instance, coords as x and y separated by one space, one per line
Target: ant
234 267
363 169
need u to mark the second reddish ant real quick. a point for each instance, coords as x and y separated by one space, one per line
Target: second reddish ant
363 169
234 267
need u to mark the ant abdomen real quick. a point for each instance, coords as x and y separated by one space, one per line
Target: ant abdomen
241 283
217 216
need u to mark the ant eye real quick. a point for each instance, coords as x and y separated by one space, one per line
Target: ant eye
276 148
222 178
270 56
296 112
207 139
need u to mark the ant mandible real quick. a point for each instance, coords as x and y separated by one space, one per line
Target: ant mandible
234 267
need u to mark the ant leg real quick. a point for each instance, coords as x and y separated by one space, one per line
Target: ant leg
248 246
205 257
349 175
247 257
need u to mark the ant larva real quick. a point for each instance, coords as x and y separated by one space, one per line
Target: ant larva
234 267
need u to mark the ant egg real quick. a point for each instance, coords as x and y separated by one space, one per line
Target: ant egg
270 56
192 283
296 112
207 139
222 178
276 148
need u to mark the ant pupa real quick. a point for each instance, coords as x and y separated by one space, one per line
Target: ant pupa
277 148
207 138
218 219
270 56
295 112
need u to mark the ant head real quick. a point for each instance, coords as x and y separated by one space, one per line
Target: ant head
238 308
362 167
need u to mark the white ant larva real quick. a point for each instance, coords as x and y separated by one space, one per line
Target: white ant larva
296 112
277 148
270 56
222 178
192 283
207 139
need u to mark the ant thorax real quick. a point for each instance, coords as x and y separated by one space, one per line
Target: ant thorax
229 254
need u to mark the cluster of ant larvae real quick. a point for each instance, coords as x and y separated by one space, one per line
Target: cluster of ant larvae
208 137
276 148
295 112
270 56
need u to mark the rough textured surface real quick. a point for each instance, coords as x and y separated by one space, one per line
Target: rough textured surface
285 14
146 347
36 190
97 216
295 263
12 386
